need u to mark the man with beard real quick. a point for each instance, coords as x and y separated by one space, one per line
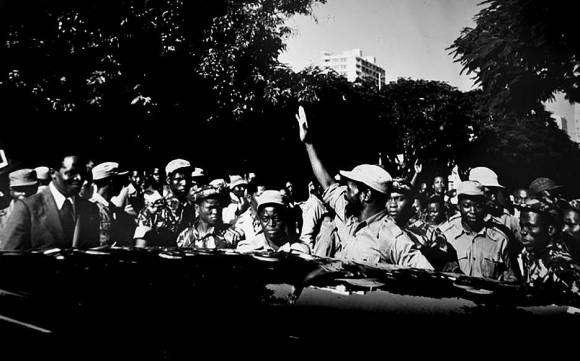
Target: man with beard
56 217
162 227
23 184
208 230
278 227
365 231
497 213
482 249
545 263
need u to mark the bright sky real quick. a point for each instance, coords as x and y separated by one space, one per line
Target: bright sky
407 37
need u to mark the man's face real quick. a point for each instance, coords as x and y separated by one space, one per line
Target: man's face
472 210
274 223
136 179
290 188
239 190
434 213
69 178
535 235
572 224
22 192
354 198
520 196
180 182
397 204
492 199
210 211
439 185
156 175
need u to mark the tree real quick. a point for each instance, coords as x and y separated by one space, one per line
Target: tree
157 67
521 52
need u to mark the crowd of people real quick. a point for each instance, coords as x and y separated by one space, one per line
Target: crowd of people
475 226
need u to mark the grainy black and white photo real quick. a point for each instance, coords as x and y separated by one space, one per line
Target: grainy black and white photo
187 180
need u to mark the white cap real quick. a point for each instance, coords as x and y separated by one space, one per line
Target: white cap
485 176
42 173
371 175
270 197
106 170
236 180
175 165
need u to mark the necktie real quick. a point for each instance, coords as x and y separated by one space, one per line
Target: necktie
67 220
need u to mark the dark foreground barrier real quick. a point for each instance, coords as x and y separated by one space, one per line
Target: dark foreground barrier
138 304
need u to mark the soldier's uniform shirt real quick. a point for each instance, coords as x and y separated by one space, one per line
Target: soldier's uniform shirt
511 222
5 213
375 240
260 244
423 234
480 254
162 227
554 270
106 218
312 212
212 238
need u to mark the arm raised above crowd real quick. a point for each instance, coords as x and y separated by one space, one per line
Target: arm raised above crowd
318 168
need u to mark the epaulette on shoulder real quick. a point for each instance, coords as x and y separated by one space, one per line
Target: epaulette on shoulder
392 227
449 224
497 230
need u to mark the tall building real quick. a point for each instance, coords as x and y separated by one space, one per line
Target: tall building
566 115
352 64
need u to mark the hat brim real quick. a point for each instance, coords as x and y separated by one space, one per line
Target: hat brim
238 183
25 184
352 176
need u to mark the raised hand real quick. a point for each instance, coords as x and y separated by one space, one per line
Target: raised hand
418 166
302 125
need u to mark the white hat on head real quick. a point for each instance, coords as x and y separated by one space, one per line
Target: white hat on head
270 197
371 175
485 176
470 188
106 170
175 165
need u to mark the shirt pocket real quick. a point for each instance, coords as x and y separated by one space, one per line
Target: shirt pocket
491 267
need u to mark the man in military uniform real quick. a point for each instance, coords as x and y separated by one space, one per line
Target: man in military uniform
482 249
545 262
496 211
208 230
108 180
23 184
277 227
423 234
365 231
162 227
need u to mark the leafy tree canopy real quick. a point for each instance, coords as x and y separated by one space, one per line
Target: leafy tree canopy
522 51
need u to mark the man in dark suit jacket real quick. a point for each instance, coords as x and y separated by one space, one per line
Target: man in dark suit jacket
55 217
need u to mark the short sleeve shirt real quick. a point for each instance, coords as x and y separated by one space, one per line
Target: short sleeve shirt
375 240
166 222
214 237
479 254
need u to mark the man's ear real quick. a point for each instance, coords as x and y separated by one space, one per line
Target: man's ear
551 230
367 195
